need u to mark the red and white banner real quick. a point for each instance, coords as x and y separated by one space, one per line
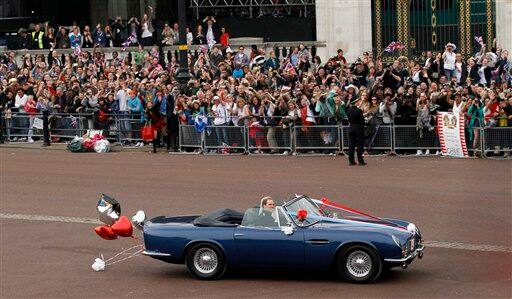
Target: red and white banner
452 134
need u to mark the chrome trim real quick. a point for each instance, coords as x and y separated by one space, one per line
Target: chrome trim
318 242
411 255
154 253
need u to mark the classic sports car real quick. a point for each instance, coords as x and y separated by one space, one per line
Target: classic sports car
304 233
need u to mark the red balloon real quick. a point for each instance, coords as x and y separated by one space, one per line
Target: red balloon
105 232
123 227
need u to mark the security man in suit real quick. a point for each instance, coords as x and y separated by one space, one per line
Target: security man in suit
355 134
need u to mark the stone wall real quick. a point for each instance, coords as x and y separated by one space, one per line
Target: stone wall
344 24
504 24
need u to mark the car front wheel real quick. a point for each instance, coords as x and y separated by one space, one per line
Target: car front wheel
206 262
359 264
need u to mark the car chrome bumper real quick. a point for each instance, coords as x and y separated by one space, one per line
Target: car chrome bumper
417 252
155 253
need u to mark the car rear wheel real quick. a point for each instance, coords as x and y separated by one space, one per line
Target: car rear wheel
205 261
359 264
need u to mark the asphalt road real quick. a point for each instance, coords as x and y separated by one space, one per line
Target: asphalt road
463 208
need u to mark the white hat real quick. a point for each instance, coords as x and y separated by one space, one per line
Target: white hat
352 86
451 45
216 98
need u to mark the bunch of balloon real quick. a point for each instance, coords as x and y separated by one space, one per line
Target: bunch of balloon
116 225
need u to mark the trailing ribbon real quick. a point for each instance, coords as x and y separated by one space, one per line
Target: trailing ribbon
326 202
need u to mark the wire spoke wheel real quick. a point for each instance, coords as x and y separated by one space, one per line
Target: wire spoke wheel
205 260
359 264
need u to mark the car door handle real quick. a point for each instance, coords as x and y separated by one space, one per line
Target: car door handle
318 242
239 235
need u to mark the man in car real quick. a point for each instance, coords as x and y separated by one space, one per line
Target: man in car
267 208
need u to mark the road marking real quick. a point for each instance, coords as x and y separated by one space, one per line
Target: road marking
50 218
435 244
466 246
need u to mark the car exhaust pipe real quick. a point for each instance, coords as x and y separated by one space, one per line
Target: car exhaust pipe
420 255
404 266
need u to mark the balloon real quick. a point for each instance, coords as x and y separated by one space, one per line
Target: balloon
106 201
108 216
98 265
105 232
123 227
102 146
138 219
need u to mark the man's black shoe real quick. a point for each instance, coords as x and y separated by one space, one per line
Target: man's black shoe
362 164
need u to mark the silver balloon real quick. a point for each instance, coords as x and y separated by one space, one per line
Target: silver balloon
108 216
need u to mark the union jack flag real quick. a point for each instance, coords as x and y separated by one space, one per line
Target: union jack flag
132 39
77 51
479 39
393 47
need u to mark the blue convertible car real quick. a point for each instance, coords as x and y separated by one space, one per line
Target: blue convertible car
302 233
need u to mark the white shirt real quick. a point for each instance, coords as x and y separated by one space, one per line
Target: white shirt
145 31
19 102
481 73
458 71
220 114
449 61
190 38
456 109
122 98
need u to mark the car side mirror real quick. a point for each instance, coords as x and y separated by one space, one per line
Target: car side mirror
287 230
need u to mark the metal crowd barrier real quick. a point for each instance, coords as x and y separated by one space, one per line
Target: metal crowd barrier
407 137
249 138
322 138
22 126
379 139
189 138
496 140
225 139
271 139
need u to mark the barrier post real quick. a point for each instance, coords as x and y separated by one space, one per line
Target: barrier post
46 129
2 125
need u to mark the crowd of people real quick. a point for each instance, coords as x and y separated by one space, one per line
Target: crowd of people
251 88
117 33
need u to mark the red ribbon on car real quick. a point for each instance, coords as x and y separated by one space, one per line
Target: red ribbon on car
326 202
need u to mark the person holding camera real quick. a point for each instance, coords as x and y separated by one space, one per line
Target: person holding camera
475 120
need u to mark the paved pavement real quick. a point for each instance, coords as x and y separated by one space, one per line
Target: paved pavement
47 214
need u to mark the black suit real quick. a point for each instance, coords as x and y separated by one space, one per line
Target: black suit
355 134
172 125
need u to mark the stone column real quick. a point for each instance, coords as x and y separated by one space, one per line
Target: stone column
345 25
504 24
99 12
117 8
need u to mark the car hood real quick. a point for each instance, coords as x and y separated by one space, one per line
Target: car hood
365 224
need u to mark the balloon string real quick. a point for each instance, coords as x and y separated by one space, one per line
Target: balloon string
126 250
126 258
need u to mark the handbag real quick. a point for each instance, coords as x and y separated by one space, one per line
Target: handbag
147 133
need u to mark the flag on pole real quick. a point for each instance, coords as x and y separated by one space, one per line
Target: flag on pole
132 39
77 51
393 46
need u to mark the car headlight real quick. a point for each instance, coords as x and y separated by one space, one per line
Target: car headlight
397 241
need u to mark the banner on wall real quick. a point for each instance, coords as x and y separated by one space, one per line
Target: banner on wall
452 134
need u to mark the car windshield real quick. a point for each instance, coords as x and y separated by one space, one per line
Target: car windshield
297 206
